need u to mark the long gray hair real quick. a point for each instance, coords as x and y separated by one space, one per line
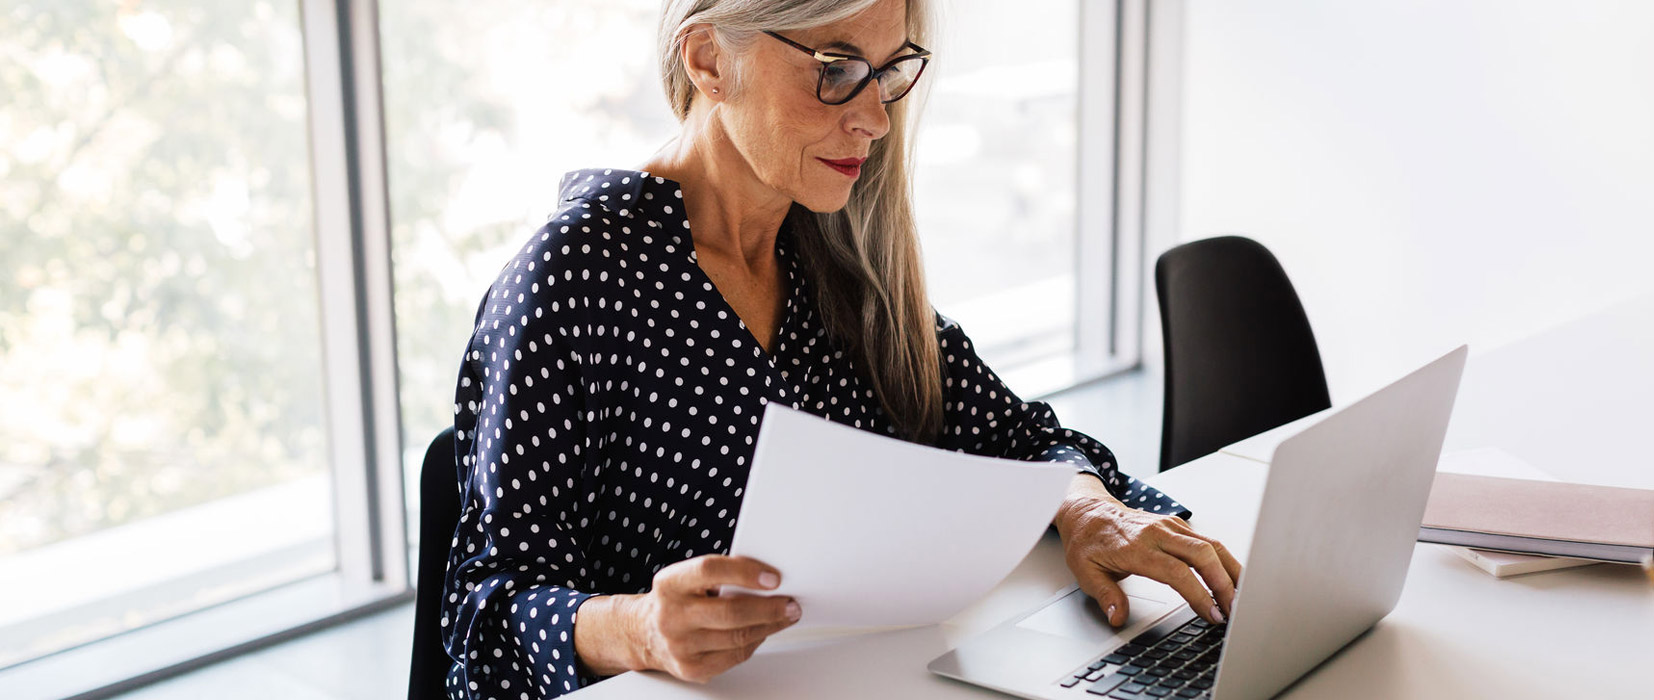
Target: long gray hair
863 260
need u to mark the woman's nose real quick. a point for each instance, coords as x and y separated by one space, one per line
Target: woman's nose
867 115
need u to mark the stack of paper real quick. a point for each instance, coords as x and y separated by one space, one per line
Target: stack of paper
1495 462
1532 516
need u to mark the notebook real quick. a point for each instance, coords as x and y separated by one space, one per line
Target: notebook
1583 521
1492 461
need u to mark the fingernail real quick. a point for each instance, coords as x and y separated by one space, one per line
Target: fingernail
1111 614
793 612
768 580
1217 615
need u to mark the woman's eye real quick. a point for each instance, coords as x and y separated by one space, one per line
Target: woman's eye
843 72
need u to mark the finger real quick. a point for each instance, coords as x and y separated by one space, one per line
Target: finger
713 663
740 638
716 570
1175 572
1231 564
1203 557
739 610
703 574
1101 586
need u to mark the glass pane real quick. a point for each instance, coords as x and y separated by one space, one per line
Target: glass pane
486 108
995 178
162 445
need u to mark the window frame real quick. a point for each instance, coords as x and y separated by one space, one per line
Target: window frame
352 236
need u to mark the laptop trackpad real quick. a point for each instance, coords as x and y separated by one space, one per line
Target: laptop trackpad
1077 616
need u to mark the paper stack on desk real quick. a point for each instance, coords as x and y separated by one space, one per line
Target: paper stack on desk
1491 461
870 531
1540 516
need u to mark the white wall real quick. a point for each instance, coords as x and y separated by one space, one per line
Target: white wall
1429 173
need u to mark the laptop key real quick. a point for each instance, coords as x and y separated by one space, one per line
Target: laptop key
1094 675
1129 670
1158 692
1115 658
1188 693
1201 683
1071 682
1105 685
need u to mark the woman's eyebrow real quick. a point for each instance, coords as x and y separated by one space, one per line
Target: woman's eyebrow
853 49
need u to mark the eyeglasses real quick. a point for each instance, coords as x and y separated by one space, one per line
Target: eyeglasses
843 76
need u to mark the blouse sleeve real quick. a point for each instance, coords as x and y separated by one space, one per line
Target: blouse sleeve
515 563
982 416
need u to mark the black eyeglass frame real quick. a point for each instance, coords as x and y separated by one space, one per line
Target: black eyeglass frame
827 58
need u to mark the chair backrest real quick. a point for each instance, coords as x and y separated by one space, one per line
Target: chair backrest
1240 356
439 501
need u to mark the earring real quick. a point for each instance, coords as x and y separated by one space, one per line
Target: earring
714 91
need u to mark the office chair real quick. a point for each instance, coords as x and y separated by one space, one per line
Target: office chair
439 502
1240 356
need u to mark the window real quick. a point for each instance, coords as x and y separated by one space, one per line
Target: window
996 178
483 119
189 353
162 437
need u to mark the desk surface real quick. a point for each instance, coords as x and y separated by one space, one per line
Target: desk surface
1572 401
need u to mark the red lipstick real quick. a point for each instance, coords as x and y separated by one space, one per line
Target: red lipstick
847 166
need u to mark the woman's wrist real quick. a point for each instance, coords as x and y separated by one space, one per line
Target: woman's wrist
1085 493
606 642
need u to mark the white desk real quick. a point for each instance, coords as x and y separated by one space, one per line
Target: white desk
1574 401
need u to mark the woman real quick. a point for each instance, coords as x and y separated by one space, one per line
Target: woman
610 396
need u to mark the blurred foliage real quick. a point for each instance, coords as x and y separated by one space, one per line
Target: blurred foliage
158 312
480 96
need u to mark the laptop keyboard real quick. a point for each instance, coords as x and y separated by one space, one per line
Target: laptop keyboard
1175 662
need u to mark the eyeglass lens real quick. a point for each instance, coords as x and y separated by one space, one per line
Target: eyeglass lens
841 79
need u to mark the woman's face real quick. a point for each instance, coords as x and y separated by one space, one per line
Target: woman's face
786 134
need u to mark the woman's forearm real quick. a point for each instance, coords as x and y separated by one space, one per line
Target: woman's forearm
604 635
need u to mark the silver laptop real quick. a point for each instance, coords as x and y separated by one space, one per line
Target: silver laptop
1341 511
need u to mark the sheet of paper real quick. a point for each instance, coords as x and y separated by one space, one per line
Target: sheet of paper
870 531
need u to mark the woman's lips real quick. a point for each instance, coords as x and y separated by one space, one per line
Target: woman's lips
847 166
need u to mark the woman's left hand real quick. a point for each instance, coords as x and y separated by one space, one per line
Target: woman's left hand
1105 541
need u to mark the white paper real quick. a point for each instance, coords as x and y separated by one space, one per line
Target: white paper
870 531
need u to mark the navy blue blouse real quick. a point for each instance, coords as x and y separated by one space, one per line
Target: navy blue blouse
608 405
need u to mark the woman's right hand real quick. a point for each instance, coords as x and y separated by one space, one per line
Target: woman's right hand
691 632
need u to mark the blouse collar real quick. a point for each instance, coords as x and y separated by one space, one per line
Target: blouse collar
619 191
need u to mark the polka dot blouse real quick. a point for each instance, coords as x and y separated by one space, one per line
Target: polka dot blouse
606 414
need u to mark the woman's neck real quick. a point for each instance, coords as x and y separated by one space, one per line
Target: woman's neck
732 214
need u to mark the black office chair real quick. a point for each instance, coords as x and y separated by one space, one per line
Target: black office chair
439 501
1240 356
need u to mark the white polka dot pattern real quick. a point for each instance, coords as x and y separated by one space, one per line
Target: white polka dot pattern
607 407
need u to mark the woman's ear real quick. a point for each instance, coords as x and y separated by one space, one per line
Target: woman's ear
700 60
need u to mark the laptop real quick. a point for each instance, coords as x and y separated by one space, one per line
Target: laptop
1341 511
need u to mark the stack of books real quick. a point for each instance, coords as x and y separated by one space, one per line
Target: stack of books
1509 526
